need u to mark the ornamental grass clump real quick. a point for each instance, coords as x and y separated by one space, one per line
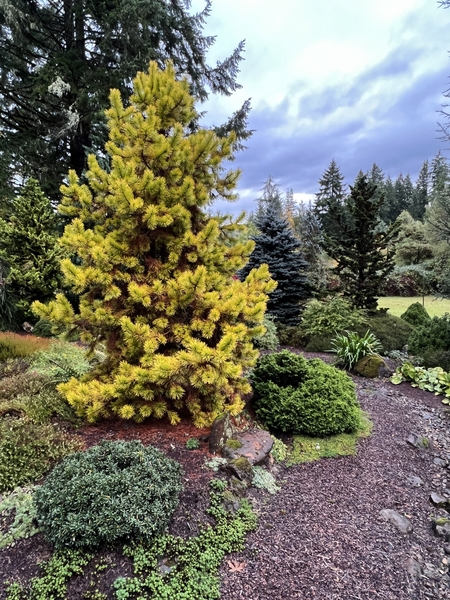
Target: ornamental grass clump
298 396
114 491
350 348
154 270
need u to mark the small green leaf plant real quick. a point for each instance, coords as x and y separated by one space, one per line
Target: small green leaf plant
192 444
20 503
432 380
350 347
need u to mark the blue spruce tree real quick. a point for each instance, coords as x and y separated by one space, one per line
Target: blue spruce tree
277 246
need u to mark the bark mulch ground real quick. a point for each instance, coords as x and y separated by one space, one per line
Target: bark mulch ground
321 536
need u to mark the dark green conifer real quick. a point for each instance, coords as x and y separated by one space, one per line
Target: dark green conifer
330 198
359 246
28 247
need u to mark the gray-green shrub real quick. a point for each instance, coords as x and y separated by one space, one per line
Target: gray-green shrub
113 491
268 340
298 396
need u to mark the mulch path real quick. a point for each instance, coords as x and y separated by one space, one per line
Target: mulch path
321 536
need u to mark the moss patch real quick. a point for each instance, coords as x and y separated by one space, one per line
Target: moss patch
234 444
307 449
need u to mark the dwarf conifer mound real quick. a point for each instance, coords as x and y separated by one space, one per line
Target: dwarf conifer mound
154 271
416 315
298 396
116 491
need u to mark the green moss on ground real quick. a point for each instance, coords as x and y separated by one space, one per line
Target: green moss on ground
307 449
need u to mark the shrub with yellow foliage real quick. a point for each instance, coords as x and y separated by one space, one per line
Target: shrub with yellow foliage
154 270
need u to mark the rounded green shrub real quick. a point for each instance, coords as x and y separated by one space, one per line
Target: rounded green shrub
392 332
431 341
416 314
113 491
298 396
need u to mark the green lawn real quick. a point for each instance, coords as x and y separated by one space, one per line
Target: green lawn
397 305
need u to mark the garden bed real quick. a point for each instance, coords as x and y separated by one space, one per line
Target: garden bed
321 536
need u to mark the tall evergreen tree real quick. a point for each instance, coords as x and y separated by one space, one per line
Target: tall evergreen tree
29 251
277 246
271 196
309 233
358 248
439 173
155 272
421 192
388 207
330 197
290 208
60 58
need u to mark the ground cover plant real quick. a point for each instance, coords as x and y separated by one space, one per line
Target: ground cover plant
166 567
154 271
432 379
298 396
435 307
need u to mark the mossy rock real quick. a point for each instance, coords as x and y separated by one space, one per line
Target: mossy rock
372 366
241 468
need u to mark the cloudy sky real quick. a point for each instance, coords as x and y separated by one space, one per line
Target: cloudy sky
356 80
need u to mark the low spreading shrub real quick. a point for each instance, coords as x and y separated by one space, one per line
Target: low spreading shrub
351 348
28 450
61 361
40 402
410 280
268 340
13 345
294 395
319 342
431 341
416 314
113 491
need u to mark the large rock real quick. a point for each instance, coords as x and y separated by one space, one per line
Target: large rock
254 445
372 366
400 522
439 501
222 429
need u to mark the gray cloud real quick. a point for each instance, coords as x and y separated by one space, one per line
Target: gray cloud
399 133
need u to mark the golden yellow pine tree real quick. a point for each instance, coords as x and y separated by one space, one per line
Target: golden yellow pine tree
154 270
